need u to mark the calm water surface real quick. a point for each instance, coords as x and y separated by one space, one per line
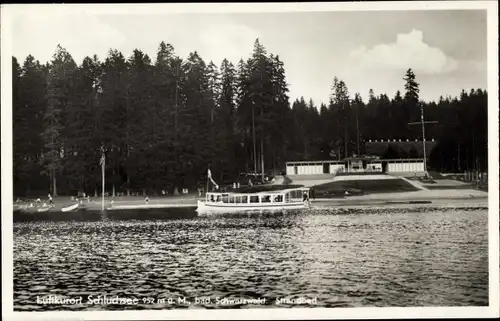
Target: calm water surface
350 260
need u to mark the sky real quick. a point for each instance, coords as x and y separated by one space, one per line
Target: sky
367 49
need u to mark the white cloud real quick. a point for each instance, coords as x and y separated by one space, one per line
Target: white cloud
228 40
81 34
409 51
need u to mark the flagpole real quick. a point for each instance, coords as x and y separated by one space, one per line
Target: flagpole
208 178
103 165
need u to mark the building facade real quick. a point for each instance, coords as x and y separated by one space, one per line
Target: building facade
393 156
404 167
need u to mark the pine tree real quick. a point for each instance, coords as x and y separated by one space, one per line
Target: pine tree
60 93
87 137
359 116
411 98
226 120
340 102
143 126
245 112
195 117
113 124
167 75
29 104
278 118
82 143
411 87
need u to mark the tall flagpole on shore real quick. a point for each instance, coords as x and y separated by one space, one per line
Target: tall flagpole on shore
103 165
422 122
208 178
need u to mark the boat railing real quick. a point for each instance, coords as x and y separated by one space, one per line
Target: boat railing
261 198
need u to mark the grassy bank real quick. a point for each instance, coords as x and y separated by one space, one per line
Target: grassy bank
264 188
95 203
360 187
445 187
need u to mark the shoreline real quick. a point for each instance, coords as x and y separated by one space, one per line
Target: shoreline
444 199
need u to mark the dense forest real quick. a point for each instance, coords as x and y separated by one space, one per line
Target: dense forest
162 123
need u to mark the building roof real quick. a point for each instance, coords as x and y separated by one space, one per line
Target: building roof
361 158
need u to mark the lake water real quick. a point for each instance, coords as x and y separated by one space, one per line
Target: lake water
318 257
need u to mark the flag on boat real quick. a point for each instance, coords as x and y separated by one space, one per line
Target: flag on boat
209 175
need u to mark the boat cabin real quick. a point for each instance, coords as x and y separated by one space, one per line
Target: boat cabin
283 196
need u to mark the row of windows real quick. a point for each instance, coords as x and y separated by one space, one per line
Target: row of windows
246 199
408 160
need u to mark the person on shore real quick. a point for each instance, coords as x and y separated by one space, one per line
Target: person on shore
146 200
306 199
237 184
50 200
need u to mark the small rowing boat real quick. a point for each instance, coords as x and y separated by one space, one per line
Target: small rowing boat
277 200
44 209
70 208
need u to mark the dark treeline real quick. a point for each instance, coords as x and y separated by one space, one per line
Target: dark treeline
162 123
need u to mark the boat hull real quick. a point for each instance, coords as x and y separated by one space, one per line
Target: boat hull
209 208
70 208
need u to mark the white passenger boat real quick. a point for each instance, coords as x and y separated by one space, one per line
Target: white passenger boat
278 200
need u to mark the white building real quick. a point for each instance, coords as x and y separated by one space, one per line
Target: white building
403 167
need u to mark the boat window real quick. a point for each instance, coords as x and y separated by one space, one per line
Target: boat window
287 197
212 198
225 199
219 198
278 199
244 199
254 199
266 199
231 199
